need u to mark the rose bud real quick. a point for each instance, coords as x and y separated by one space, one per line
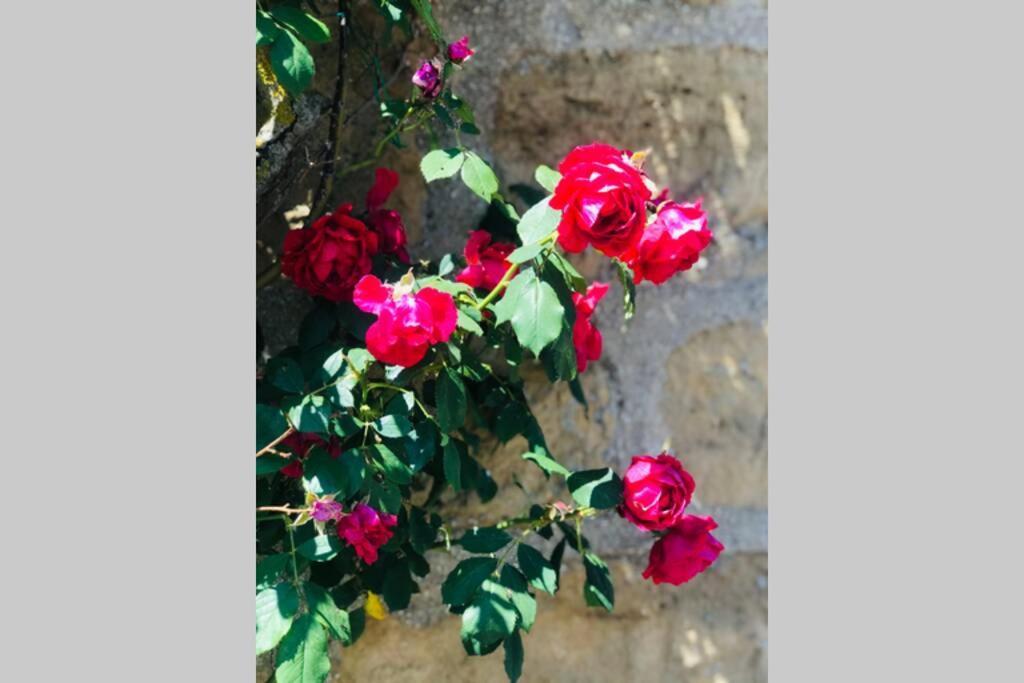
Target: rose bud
656 491
408 322
328 257
366 530
459 51
428 79
684 551
585 337
486 263
324 509
671 244
603 200
386 223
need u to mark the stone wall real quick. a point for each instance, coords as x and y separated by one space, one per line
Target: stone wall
688 80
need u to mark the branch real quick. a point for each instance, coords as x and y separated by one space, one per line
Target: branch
269 447
327 173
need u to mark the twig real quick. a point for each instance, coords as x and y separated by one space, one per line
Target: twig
327 173
266 449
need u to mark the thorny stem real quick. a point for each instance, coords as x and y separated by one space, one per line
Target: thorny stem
270 446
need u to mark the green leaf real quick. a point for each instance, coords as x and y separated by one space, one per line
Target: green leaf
266 29
441 163
560 357
537 570
320 548
525 253
323 474
479 177
359 360
322 605
352 463
547 177
269 568
487 539
545 462
556 561
601 488
489 619
422 529
306 25
312 414
384 495
393 467
468 324
514 657
539 222
286 375
392 426
423 9
628 289
450 394
398 587
292 63
569 273
317 326
453 465
303 654
533 309
270 424
275 608
519 593
460 585
597 589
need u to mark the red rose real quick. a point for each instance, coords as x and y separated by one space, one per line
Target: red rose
670 244
656 490
585 337
685 551
603 200
408 323
485 261
386 222
366 530
328 257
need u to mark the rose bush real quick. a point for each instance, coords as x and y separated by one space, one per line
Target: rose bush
406 371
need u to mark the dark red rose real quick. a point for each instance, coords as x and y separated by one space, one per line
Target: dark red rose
684 551
485 261
603 200
408 323
328 257
386 223
366 530
586 338
656 491
671 243
298 444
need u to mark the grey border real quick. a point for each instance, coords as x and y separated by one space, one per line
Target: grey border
129 316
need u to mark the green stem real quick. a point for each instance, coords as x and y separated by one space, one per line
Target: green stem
493 294
295 564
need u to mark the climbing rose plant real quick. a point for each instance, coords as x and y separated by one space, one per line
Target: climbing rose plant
404 369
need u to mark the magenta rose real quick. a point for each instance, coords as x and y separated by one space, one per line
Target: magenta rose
408 323
459 51
328 257
671 244
324 509
656 491
485 261
586 338
366 530
428 79
603 200
684 551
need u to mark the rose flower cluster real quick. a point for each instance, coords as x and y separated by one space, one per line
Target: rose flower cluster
656 491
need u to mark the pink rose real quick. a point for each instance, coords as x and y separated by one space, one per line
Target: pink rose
685 551
408 322
671 243
386 223
603 200
459 51
325 509
585 337
366 530
485 261
656 491
428 79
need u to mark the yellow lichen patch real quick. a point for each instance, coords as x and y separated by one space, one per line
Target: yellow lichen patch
281 113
